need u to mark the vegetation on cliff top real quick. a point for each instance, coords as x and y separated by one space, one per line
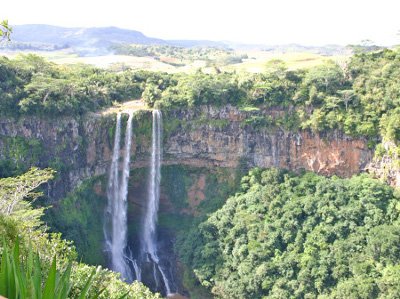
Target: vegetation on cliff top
31 85
360 98
288 236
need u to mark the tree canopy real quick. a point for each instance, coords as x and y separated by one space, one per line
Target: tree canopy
306 236
31 85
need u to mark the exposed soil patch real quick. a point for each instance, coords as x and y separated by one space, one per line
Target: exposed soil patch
132 105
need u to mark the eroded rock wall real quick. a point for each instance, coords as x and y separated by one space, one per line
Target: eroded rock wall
77 149
235 142
204 137
387 166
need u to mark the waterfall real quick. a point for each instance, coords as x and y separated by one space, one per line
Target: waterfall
149 233
150 220
115 228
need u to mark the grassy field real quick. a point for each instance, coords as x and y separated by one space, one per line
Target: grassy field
254 64
294 60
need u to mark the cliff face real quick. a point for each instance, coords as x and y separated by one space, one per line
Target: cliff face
205 137
230 143
387 166
77 149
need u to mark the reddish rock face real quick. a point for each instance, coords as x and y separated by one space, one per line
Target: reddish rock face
335 154
341 156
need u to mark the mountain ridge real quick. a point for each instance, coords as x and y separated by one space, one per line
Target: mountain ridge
98 40
89 40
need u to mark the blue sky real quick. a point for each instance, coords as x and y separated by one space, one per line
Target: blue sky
310 22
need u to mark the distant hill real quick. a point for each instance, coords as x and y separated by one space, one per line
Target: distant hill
188 43
327 50
86 41
96 41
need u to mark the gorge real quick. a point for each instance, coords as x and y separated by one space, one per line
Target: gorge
211 184
82 148
224 142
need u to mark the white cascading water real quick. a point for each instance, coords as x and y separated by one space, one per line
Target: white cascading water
115 230
150 221
149 234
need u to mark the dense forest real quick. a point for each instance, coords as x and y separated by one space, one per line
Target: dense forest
31 85
300 236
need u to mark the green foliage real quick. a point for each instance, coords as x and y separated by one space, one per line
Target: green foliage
249 109
20 220
275 87
258 122
299 237
23 273
5 30
142 126
390 125
14 191
380 151
203 120
22 277
219 185
176 181
192 90
79 218
18 153
197 291
181 217
170 124
31 85
108 283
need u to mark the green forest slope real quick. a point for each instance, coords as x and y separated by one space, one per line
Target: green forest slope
300 236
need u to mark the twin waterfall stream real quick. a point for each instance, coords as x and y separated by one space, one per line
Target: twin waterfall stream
122 260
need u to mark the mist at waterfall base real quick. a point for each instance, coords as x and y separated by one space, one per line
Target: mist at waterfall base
147 258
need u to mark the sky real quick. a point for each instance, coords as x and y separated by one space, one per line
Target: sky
308 22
